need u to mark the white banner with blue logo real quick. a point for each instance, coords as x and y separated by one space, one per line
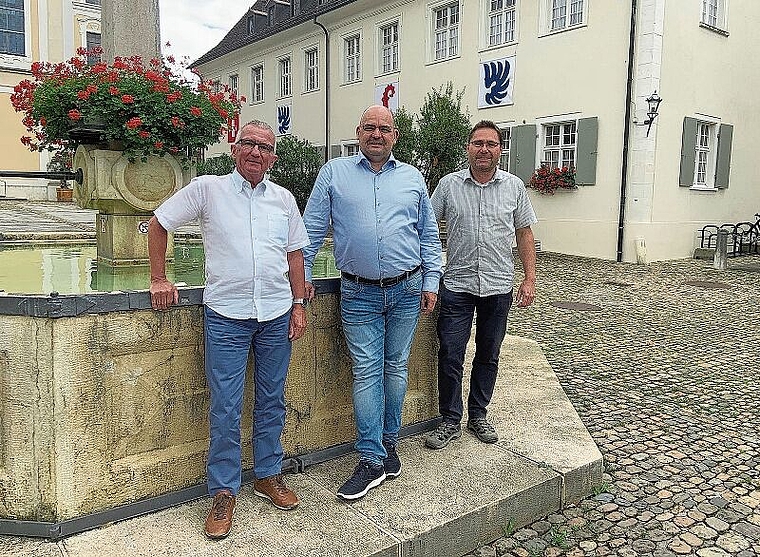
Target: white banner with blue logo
497 80
284 119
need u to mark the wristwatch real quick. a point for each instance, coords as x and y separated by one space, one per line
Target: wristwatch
301 301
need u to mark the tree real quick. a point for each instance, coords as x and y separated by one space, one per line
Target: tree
443 130
219 165
297 166
404 150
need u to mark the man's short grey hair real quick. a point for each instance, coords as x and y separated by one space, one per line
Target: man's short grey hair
254 124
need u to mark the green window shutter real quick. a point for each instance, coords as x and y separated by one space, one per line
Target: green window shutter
723 157
585 164
335 151
522 151
688 152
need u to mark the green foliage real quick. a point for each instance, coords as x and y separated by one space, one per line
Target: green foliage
604 487
297 166
442 132
404 150
220 165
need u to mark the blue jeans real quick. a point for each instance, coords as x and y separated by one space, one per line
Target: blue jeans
228 342
379 326
454 326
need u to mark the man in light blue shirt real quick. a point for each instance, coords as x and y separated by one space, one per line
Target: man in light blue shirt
389 254
252 236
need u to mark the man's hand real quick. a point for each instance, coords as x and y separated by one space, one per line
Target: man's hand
526 294
428 302
162 293
297 325
310 291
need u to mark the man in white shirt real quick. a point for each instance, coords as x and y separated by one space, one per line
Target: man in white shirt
252 237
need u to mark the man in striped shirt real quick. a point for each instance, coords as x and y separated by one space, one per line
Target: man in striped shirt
486 210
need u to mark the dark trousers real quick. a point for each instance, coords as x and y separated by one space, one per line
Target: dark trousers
454 326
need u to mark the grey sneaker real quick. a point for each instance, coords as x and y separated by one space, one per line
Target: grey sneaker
444 434
482 430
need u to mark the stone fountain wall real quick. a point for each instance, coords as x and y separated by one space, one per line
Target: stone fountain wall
102 409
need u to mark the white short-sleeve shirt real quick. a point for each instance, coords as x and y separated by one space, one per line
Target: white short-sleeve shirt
247 234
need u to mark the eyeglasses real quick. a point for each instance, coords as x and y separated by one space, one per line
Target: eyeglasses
479 144
250 145
370 128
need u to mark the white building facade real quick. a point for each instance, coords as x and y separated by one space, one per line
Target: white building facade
566 79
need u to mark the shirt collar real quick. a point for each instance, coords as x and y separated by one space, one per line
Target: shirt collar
391 162
240 182
465 175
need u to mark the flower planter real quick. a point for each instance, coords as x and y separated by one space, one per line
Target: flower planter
64 194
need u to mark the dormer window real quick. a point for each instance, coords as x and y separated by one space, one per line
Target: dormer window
270 15
251 24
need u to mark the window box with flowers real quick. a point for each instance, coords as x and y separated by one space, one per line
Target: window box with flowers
546 179
148 109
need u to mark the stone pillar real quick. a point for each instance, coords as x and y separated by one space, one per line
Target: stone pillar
720 259
130 28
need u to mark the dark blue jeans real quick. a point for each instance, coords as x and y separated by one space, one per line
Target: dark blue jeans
454 326
228 342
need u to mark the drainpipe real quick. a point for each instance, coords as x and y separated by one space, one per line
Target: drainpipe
327 88
626 133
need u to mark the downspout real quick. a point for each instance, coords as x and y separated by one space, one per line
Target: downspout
626 133
327 88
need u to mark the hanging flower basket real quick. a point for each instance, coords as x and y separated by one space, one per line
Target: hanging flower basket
547 180
148 109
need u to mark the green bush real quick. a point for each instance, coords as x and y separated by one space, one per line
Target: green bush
297 166
220 165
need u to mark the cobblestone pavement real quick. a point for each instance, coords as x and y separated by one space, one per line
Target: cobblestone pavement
666 378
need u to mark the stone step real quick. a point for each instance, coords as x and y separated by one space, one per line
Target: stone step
444 503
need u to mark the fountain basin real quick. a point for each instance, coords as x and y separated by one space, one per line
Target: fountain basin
103 402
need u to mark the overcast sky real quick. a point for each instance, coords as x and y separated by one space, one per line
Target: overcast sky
194 27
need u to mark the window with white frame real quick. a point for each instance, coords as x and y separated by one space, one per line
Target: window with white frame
506 134
93 42
12 28
445 31
350 149
714 13
232 82
352 69
257 83
565 14
286 80
388 40
501 22
559 144
311 69
703 160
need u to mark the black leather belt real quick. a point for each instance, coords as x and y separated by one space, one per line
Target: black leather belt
383 282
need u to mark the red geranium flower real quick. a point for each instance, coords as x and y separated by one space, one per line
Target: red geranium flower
143 134
133 123
74 114
127 99
195 111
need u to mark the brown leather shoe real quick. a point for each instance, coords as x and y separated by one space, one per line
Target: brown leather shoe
274 489
219 519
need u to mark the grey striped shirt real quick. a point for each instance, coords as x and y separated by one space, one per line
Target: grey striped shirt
481 220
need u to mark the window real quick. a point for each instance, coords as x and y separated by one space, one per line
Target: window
705 154
350 149
251 24
93 41
257 83
564 14
446 31
504 160
501 22
559 145
232 82
270 15
352 55
286 82
714 13
703 160
93 2
389 48
12 30
311 69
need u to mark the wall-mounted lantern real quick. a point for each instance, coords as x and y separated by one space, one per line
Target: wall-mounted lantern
653 101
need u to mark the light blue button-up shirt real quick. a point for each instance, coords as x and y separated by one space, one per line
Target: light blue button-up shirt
383 222
247 234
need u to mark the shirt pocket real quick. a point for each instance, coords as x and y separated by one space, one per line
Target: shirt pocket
278 229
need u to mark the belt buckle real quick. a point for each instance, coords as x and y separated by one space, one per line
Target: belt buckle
380 282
